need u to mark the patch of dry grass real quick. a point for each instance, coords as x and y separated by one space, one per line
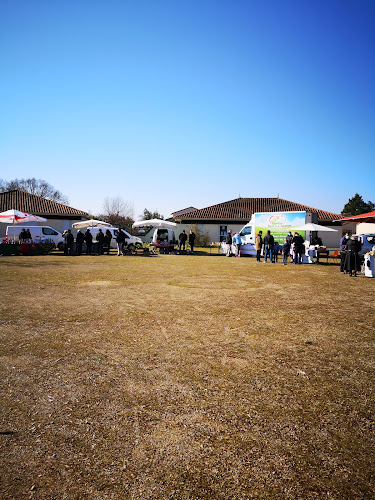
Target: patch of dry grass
185 377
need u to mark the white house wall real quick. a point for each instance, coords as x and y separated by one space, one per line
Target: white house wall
365 228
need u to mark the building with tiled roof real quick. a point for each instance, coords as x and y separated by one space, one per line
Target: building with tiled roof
184 211
234 214
58 216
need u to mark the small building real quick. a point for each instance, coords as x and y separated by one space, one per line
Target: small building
216 220
58 216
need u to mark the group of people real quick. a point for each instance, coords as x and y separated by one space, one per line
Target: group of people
182 239
25 235
103 240
293 247
350 262
233 242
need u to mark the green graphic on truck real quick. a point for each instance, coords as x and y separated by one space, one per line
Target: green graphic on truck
279 223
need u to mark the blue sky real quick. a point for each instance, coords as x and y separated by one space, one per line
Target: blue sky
170 104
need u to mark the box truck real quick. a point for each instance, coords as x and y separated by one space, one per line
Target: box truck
279 223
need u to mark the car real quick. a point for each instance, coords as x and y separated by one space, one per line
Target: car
367 242
38 233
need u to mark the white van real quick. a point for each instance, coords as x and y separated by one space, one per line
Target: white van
38 233
132 241
162 234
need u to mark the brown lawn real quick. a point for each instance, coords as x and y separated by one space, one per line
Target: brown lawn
185 377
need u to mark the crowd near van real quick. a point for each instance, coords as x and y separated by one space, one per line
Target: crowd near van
132 242
38 234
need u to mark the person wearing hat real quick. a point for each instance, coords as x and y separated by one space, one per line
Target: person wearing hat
69 241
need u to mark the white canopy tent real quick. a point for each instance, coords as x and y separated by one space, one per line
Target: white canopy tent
310 226
83 224
155 223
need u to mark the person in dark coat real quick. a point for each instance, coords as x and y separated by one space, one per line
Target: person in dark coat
22 236
69 242
100 240
352 260
269 242
191 240
120 240
286 251
298 248
79 242
229 241
107 240
344 240
88 240
182 240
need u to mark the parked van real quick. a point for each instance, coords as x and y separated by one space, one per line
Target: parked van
367 243
131 241
38 233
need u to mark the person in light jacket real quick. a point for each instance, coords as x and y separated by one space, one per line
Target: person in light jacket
237 242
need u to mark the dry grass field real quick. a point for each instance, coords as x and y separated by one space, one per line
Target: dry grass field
185 377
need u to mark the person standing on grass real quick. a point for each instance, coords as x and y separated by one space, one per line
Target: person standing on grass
69 242
108 239
79 242
120 240
352 260
100 240
298 248
286 251
269 243
276 251
228 241
290 241
182 240
258 244
88 240
191 240
237 243
343 242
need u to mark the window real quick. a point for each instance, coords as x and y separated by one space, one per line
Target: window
223 232
162 235
49 231
245 231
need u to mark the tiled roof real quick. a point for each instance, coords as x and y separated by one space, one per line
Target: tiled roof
183 211
36 205
241 209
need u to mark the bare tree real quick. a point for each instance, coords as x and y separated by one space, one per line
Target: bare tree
118 212
38 187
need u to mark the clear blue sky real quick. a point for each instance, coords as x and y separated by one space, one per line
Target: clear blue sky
170 104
